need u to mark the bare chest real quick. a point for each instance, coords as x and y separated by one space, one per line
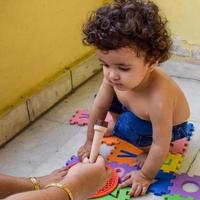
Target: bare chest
138 104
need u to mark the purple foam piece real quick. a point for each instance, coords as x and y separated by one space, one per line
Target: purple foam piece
74 159
182 179
122 169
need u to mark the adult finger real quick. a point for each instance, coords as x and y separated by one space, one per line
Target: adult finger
100 160
86 160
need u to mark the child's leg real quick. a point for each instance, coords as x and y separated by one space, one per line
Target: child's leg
111 123
140 159
115 110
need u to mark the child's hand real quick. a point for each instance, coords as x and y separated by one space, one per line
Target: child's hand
139 183
84 150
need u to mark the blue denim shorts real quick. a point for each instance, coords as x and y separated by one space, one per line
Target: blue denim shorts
137 131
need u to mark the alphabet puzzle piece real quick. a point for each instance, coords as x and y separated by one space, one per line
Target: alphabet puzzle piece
122 169
172 163
176 197
180 180
73 160
119 194
163 181
80 118
111 140
179 146
125 147
190 129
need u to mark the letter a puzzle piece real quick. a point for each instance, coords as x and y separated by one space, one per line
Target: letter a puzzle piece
111 140
172 163
123 146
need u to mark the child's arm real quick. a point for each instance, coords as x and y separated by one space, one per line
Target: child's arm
162 122
161 117
99 110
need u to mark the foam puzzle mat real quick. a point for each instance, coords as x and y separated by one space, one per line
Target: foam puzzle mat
169 184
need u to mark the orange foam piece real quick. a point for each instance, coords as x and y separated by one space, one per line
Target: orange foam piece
110 185
179 146
111 140
123 145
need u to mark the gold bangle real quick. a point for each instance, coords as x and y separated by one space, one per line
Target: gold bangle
64 188
35 183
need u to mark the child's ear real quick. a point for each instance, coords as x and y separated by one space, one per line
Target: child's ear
152 66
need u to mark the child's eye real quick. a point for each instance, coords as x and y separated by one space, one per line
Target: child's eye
124 69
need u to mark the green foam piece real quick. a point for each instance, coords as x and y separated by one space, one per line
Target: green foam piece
116 194
176 197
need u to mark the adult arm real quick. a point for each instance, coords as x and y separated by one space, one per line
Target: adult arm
83 180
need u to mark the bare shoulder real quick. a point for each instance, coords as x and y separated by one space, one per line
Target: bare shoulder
167 97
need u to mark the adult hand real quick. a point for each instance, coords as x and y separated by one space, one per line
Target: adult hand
85 179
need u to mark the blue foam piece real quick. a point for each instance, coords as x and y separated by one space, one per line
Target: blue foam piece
190 129
161 186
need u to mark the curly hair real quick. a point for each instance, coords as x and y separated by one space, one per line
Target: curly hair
129 23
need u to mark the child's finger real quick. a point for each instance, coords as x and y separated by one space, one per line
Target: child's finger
144 190
133 189
126 177
125 183
138 190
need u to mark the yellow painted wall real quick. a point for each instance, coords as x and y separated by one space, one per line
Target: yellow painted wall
37 40
183 16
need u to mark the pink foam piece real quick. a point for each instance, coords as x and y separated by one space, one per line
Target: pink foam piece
179 146
108 117
81 117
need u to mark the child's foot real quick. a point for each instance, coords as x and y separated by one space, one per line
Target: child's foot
111 125
55 176
141 159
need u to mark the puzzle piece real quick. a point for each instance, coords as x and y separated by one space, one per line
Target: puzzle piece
81 117
179 146
176 197
180 180
172 163
73 160
111 140
119 194
161 186
125 146
190 129
121 169
108 117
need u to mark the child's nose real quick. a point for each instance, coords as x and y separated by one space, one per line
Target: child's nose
113 76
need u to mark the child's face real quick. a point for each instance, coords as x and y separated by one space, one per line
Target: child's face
123 69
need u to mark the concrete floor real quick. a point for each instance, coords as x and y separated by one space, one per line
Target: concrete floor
49 142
